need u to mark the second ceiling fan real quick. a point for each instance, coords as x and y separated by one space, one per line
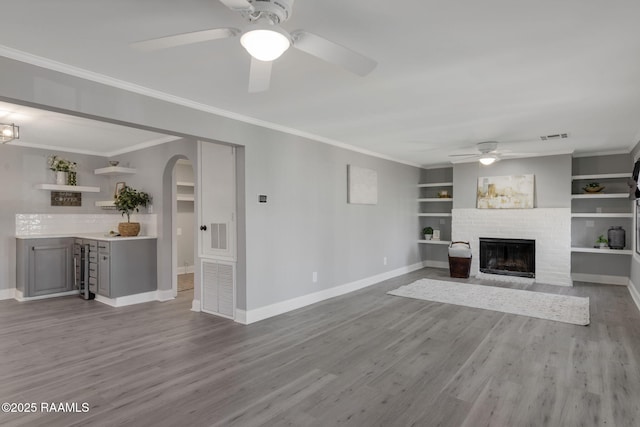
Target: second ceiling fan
266 40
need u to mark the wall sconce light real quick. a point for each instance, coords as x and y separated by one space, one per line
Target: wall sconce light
9 132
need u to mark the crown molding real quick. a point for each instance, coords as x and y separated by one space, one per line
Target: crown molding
50 64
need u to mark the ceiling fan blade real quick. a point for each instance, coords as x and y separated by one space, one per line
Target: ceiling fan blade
332 52
464 155
238 5
185 38
259 75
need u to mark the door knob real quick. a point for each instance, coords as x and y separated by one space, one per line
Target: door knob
203 228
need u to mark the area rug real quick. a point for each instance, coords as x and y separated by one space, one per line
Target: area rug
561 308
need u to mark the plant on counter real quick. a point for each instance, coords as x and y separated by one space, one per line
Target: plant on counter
59 164
129 200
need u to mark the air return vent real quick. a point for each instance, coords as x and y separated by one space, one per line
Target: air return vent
554 136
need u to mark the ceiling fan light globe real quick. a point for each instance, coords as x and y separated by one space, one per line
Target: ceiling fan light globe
265 44
487 160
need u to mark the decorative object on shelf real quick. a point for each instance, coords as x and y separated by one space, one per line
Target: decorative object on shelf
72 178
113 163
617 238
602 242
428 233
9 132
127 202
61 167
436 235
593 187
634 187
505 192
444 194
119 187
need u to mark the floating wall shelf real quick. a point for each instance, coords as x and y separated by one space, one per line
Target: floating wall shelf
114 170
70 188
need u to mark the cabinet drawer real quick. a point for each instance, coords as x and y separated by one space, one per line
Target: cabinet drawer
103 247
93 270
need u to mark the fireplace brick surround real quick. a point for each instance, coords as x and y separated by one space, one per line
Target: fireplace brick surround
549 227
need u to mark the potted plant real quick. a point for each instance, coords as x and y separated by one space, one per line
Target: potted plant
602 241
61 167
128 201
428 233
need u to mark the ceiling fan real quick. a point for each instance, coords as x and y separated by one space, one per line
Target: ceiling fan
266 40
487 153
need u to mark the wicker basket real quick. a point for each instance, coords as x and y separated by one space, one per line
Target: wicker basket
129 229
460 267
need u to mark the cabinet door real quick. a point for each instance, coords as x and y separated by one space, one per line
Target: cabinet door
104 274
217 201
50 267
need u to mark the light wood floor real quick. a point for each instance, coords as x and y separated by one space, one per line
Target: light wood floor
363 359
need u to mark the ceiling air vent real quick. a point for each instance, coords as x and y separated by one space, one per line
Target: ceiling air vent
554 136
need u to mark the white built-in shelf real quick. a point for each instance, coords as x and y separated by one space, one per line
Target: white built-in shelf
106 204
603 251
437 199
114 170
436 184
185 198
601 176
70 188
601 196
436 214
435 242
185 184
602 215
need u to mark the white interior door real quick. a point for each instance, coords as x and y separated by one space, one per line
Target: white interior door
217 227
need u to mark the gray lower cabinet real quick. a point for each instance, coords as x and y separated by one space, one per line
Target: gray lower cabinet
44 266
126 267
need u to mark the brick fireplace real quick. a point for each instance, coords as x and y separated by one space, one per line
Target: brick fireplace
549 227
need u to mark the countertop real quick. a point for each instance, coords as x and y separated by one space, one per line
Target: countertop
93 236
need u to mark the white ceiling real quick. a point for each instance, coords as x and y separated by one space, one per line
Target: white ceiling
449 75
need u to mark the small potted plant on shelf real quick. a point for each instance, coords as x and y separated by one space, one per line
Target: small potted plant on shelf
428 233
602 241
128 200
62 168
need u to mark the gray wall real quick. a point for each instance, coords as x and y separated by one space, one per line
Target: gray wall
552 179
307 225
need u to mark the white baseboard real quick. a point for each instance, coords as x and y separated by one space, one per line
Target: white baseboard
635 295
257 314
195 305
128 299
8 293
165 295
436 264
186 270
600 278
19 296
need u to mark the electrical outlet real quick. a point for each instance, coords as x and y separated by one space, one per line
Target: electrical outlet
179 231
384 261
589 224
442 221
314 276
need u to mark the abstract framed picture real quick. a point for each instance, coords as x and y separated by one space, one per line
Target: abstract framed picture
362 186
505 192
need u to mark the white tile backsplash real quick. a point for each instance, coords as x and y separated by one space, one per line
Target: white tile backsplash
55 224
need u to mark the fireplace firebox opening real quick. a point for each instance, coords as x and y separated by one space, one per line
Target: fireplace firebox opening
510 257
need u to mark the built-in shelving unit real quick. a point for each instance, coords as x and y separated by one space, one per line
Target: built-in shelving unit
436 199
435 242
603 251
436 214
114 170
436 184
182 195
590 212
70 188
